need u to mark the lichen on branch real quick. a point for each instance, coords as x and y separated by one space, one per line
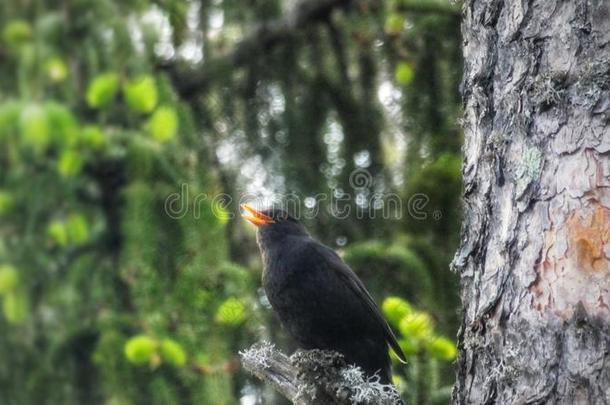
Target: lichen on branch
316 376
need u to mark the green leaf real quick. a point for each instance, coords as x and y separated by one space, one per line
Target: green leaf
140 349
70 162
34 127
56 70
15 307
163 124
93 137
231 312
17 32
8 278
58 232
395 308
74 230
173 353
404 73
102 90
77 229
141 93
394 24
442 348
417 325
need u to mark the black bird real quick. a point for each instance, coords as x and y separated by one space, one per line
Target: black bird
319 300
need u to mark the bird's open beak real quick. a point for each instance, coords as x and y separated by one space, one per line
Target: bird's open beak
254 216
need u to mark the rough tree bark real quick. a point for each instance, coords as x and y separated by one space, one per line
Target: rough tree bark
535 254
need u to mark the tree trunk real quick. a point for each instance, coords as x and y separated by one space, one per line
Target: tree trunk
534 259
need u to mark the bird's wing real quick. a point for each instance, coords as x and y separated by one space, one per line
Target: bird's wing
353 282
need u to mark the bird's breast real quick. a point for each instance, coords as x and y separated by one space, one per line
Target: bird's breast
277 276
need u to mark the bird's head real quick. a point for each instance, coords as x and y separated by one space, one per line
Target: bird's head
272 224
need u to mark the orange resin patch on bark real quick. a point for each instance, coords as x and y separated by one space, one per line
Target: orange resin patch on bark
575 265
590 239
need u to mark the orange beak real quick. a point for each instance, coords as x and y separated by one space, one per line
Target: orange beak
254 216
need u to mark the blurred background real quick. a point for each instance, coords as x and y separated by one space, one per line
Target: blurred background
111 108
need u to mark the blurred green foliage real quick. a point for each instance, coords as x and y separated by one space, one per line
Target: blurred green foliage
102 90
397 263
426 351
108 108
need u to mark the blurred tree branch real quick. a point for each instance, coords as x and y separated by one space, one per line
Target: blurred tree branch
190 81
449 7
